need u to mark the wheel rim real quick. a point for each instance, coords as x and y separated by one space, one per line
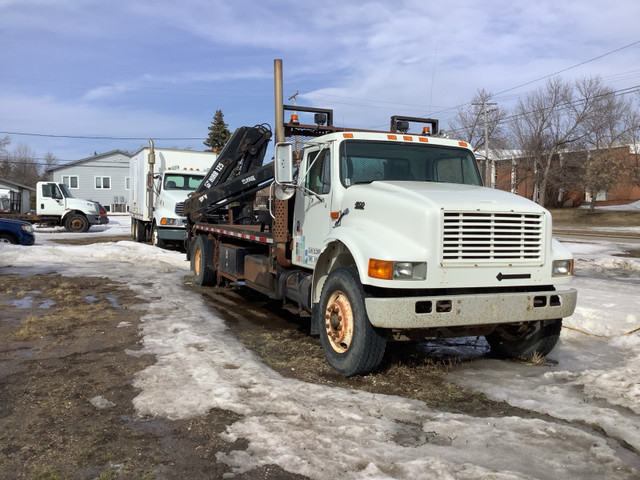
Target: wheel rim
76 224
339 322
154 237
197 258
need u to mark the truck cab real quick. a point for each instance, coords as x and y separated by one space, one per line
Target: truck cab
55 204
172 187
161 181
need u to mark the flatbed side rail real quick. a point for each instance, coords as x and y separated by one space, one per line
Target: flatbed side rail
242 233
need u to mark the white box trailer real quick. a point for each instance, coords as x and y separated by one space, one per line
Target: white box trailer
161 180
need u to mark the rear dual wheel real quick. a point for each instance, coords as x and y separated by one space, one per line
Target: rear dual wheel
202 267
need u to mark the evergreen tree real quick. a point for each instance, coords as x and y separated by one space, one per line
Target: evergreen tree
218 133
5 161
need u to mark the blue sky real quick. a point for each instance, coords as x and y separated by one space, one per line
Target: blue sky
160 69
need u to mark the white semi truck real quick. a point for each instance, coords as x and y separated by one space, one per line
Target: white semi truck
56 206
161 180
379 236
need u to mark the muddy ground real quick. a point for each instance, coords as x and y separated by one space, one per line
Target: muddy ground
66 381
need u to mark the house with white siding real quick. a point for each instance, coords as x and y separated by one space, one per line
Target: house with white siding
103 178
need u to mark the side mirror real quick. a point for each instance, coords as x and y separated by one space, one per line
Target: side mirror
283 164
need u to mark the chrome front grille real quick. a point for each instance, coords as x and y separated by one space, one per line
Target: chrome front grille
179 209
479 237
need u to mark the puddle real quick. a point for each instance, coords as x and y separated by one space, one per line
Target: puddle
113 300
46 304
24 302
91 299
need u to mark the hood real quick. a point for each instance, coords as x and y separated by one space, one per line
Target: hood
170 198
448 196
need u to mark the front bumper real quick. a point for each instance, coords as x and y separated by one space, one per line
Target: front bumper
93 219
470 309
172 234
26 238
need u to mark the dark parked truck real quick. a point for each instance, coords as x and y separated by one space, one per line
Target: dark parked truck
379 236
56 206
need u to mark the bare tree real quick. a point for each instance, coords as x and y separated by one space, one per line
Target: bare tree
468 124
550 120
612 124
49 161
25 169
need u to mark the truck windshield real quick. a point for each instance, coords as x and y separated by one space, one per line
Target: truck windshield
364 161
65 190
178 181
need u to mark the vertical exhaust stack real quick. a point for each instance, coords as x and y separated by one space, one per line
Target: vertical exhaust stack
279 100
280 227
151 161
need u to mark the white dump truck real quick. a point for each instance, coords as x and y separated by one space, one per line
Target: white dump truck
161 180
379 236
56 206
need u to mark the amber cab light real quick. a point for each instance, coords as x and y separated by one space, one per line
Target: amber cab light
380 269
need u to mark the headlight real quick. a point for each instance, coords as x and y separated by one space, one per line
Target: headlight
27 228
388 270
562 268
168 221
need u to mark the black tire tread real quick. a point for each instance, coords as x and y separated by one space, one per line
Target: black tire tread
541 342
369 343
207 275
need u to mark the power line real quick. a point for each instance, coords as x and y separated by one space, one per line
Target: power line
97 137
569 68
547 76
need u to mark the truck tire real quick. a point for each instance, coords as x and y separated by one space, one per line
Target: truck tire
524 340
76 223
351 345
137 230
201 258
156 241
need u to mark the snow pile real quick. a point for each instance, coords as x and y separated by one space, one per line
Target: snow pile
633 207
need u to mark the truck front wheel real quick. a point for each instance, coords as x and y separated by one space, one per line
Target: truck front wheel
350 343
201 259
524 340
76 223
156 241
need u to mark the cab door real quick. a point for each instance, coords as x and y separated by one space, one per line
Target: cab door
312 216
50 200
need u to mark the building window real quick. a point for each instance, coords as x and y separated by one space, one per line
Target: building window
127 183
103 182
70 181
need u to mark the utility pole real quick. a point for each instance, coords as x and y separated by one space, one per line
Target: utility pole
489 166
294 97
